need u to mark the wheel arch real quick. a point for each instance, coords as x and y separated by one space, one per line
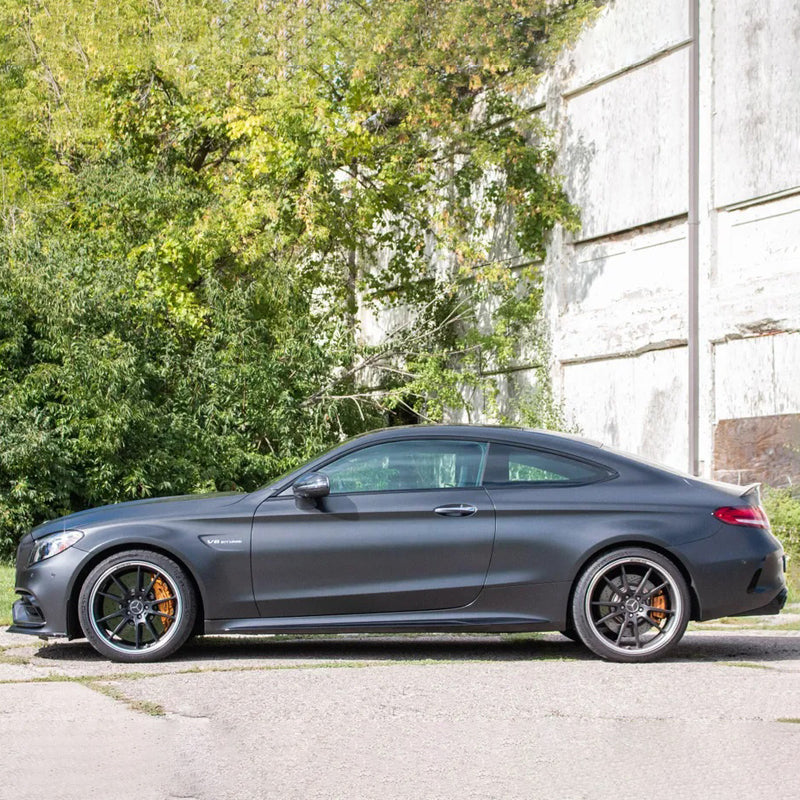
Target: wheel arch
74 630
609 547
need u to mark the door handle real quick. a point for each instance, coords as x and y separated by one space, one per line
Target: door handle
461 510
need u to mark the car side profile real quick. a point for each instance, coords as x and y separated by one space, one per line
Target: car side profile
422 528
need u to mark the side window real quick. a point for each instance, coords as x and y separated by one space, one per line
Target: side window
409 464
508 465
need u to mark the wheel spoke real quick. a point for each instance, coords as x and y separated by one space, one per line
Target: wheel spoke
162 614
656 589
656 625
152 583
624 576
606 603
138 641
163 600
151 628
622 630
607 616
650 609
113 597
119 613
611 583
635 626
119 628
644 579
139 578
121 585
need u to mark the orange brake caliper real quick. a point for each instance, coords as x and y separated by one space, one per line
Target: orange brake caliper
161 591
658 601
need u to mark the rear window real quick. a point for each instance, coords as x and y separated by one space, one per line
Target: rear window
508 465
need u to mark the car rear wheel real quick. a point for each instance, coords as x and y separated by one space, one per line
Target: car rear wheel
631 605
137 606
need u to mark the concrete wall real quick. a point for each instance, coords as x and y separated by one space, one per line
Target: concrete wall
616 293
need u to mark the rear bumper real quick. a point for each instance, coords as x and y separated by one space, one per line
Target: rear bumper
773 607
739 571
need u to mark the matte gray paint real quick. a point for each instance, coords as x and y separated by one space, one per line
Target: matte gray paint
370 552
387 561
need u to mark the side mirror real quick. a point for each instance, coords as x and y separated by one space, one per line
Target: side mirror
312 486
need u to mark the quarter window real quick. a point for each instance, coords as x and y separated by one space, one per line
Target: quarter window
508 466
407 465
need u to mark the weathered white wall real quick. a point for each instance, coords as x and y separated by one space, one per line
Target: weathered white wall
752 379
617 291
626 139
638 403
755 91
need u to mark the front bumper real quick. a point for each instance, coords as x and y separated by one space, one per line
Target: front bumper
27 615
44 591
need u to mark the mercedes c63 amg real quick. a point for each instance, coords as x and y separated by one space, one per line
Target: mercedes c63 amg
431 528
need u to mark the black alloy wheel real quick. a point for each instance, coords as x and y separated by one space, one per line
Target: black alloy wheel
137 606
631 605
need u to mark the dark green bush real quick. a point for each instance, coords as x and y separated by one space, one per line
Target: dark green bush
783 509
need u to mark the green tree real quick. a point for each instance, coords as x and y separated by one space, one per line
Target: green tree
203 201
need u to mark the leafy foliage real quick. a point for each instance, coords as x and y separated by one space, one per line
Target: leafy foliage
783 509
207 206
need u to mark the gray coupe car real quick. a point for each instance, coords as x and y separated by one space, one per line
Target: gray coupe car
426 528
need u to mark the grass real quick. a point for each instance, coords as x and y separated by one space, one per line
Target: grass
7 596
142 706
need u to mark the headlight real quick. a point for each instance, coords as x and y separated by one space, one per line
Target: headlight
54 544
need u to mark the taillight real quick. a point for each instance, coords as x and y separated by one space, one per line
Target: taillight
751 516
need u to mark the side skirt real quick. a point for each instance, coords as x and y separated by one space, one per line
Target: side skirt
412 622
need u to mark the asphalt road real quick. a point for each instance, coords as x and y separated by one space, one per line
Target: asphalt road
402 717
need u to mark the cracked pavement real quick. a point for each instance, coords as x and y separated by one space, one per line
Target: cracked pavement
433 716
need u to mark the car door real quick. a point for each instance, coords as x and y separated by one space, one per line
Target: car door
406 527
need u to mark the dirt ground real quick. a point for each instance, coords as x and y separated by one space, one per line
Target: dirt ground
419 717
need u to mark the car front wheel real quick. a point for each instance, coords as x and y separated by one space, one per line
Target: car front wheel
137 606
631 605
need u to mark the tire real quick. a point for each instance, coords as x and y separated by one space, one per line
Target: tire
631 605
137 606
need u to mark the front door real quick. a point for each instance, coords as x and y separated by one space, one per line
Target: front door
405 528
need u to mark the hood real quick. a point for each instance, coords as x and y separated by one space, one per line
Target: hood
161 507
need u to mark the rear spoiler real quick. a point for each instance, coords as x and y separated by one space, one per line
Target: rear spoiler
752 493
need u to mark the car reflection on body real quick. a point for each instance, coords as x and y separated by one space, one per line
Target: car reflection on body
424 528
